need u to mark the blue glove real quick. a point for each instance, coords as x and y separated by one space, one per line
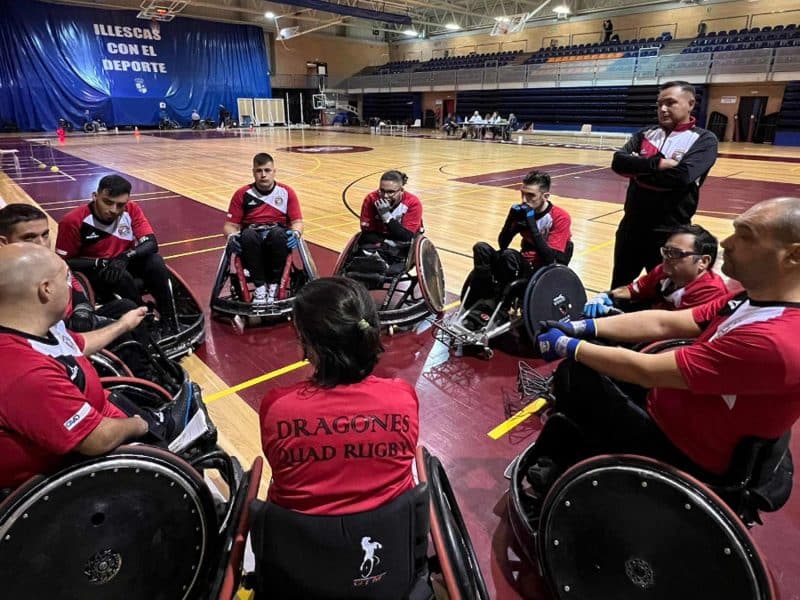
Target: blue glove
553 344
599 306
292 239
518 207
585 329
235 243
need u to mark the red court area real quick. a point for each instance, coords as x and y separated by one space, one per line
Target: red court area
461 399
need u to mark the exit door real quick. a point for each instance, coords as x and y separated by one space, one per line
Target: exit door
751 111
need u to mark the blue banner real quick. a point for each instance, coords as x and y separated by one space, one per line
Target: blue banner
59 62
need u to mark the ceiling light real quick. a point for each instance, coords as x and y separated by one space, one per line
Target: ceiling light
452 26
410 31
562 10
502 19
269 15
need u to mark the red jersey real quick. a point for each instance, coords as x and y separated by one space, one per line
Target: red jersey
250 207
81 234
743 373
555 225
52 402
342 450
408 213
657 288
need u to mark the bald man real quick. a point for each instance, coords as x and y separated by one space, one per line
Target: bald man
51 400
739 378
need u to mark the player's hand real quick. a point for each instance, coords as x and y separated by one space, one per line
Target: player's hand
667 163
132 318
553 344
120 262
384 208
292 239
599 306
107 273
235 242
584 329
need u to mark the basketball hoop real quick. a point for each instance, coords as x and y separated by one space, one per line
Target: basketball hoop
155 26
511 23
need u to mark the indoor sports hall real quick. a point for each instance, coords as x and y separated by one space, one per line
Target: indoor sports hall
337 93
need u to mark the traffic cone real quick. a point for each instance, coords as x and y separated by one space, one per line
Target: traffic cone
136 130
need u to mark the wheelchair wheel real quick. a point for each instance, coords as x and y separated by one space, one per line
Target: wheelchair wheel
621 526
554 293
138 523
663 346
460 567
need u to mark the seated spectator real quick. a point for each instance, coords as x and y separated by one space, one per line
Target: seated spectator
449 126
51 400
343 441
684 278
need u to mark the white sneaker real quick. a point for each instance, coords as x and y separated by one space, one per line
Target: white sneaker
272 291
260 295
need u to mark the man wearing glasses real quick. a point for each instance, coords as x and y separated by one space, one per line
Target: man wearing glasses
683 279
666 165
390 212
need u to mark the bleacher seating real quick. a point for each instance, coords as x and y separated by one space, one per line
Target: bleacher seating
470 61
609 50
755 38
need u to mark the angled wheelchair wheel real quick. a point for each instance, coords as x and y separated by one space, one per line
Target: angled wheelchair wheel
430 274
663 346
344 256
108 364
554 293
86 287
460 567
191 321
138 523
619 526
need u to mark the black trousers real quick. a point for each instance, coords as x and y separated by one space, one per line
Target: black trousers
610 419
152 270
637 246
494 269
264 253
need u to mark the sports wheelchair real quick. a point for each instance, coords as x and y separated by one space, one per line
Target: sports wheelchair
187 329
232 294
139 523
620 525
409 274
554 292
378 554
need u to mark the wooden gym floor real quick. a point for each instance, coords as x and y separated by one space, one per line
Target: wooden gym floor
185 179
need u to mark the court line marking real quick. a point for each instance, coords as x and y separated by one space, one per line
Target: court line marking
519 417
255 381
195 239
193 252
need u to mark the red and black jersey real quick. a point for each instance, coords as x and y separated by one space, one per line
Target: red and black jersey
53 401
657 288
250 207
668 197
81 234
408 213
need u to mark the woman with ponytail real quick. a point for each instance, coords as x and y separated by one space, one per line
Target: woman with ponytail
343 441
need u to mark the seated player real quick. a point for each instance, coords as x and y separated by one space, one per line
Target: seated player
26 223
740 377
264 225
111 242
390 218
344 441
51 400
545 231
683 279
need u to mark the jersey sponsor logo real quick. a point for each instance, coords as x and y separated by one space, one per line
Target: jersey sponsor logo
92 236
73 371
370 560
73 421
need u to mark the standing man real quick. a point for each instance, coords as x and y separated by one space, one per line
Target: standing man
112 243
264 225
666 165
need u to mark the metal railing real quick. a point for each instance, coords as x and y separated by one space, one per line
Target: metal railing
764 64
303 82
